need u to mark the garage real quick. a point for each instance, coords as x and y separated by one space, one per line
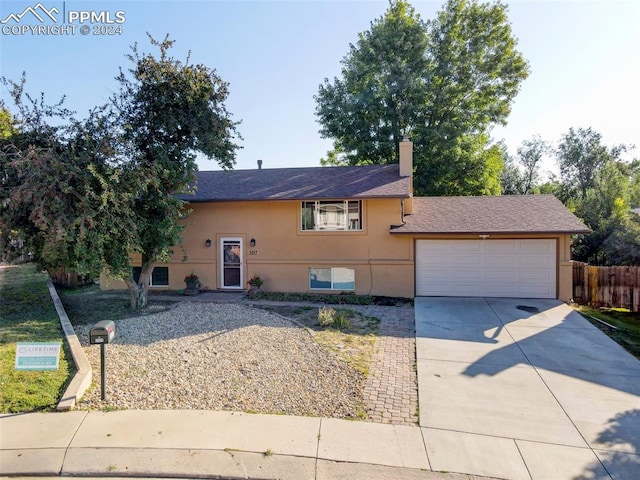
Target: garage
517 268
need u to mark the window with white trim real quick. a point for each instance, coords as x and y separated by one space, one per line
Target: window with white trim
335 278
159 276
331 215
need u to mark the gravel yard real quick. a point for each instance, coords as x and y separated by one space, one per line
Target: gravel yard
222 357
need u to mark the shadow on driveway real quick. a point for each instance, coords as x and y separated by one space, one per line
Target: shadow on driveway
532 370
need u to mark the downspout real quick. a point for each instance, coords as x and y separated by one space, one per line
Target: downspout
402 211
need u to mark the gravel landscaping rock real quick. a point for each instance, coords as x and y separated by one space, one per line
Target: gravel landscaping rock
221 357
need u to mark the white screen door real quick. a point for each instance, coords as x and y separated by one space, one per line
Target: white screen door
231 264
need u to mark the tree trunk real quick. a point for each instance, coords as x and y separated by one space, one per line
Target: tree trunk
138 291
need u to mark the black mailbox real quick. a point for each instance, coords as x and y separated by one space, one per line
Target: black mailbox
102 332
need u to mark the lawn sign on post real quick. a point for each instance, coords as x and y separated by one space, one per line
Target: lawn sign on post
37 356
101 334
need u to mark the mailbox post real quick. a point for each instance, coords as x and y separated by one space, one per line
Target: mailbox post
101 334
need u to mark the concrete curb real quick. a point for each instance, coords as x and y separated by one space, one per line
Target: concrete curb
82 379
126 463
204 444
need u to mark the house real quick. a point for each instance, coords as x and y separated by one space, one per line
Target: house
359 229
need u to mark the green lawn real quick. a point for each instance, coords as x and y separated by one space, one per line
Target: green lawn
626 322
27 314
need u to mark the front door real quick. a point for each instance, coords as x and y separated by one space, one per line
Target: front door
231 264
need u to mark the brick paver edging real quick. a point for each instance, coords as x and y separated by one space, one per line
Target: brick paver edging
391 389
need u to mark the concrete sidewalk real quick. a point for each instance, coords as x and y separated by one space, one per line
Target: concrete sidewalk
211 444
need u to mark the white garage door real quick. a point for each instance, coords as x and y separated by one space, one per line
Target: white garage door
486 268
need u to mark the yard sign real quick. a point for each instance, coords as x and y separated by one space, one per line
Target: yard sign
37 356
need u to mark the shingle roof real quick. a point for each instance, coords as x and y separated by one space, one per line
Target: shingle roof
300 183
500 214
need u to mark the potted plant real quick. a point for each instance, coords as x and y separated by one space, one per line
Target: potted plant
193 284
254 283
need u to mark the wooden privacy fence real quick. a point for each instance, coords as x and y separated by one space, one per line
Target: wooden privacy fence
606 286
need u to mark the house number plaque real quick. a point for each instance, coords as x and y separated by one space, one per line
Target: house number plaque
253 252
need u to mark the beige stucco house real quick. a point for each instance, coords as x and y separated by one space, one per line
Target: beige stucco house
359 229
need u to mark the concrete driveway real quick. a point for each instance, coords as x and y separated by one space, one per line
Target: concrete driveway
524 389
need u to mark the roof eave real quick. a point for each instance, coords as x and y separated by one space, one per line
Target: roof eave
397 231
296 199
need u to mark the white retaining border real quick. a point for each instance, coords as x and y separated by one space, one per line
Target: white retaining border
82 379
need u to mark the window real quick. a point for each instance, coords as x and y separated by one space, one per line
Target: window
159 276
336 278
333 215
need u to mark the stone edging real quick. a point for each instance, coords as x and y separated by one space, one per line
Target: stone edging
82 379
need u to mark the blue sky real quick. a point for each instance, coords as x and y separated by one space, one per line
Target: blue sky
584 58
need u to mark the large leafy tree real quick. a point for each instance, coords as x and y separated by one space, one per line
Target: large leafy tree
622 247
168 112
444 83
521 175
381 91
595 182
57 187
604 209
580 156
88 194
600 187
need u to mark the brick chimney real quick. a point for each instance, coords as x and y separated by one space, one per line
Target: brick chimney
406 170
